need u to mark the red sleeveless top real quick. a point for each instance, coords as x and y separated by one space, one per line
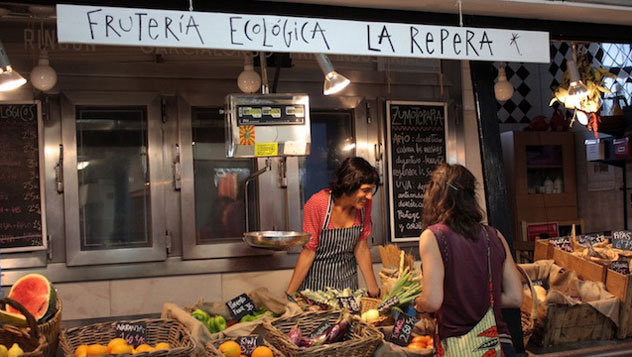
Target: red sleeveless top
465 285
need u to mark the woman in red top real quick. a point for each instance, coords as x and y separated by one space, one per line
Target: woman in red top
339 220
458 253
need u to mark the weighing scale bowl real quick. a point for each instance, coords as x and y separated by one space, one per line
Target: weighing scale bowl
276 240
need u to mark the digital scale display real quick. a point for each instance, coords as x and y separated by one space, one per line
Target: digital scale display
278 114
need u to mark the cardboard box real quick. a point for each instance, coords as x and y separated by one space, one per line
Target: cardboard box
622 148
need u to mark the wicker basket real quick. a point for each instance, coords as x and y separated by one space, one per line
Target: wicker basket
372 303
32 343
528 318
360 340
212 347
158 330
50 330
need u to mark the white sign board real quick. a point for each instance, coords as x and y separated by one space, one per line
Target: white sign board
188 29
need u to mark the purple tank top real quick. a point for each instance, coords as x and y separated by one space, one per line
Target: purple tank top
465 285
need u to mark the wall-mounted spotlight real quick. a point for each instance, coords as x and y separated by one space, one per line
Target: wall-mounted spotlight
9 79
334 81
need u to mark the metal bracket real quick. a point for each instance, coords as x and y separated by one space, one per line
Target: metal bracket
49 248
283 172
59 171
163 109
368 112
177 169
168 241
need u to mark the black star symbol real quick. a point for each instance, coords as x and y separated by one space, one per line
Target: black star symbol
514 41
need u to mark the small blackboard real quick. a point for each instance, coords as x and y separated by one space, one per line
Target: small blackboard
320 329
21 191
249 343
134 333
591 239
563 243
241 306
402 329
349 303
621 267
386 305
622 240
415 145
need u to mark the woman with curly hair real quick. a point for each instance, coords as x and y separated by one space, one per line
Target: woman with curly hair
468 271
339 219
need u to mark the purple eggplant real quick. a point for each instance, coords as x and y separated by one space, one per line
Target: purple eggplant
295 335
313 342
339 330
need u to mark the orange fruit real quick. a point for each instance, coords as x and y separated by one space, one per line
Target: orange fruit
144 348
81 351
120 348
114 342
415 346
230 349
262 351
163 346
97 350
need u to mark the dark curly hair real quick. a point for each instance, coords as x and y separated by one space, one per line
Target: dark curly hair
450 198
353 173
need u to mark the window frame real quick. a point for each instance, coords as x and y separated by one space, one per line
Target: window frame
158 249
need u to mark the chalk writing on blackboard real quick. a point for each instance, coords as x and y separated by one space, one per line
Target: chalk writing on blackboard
415 146
21 213
134 333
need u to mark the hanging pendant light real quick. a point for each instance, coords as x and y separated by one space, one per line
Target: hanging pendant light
249 81
577 90
43 76
503 90
9 78
334 81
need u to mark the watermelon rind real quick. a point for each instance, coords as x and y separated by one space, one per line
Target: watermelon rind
39 305
13 319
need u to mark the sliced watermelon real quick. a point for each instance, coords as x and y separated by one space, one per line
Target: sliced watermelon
35 293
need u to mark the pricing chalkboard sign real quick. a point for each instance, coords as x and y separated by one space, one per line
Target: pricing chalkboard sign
415 145
134 333
402 329
563 243
349 303
21 190
241 306
621 267
591 239
249 343
320 329
622 240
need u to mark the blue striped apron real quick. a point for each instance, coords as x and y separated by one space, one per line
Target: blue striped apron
335 263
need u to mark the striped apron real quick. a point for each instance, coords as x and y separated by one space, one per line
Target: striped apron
335 263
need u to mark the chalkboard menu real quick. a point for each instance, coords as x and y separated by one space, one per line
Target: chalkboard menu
415 146
21 213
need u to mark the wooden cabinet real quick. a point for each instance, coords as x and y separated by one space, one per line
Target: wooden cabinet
541 184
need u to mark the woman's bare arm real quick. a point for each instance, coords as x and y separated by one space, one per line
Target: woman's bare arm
512 285
431 297
304 262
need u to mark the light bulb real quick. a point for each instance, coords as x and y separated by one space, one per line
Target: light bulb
582 118
43 76
503 90
334 81
249 81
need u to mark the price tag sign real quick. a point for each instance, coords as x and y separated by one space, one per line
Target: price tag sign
349 303
621 267
563 243
402 329
134 333
622 240
249 343
320 329
591 239
241 306
386 305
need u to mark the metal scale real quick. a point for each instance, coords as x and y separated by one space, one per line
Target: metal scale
266 126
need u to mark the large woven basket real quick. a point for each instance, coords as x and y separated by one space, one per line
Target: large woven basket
360 340
158 330
212 347
32 342
50 330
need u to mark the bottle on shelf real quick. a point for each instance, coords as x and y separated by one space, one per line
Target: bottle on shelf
557 185
548 185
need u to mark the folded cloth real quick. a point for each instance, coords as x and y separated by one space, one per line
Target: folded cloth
199 332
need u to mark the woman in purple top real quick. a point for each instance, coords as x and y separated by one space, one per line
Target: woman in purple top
454 253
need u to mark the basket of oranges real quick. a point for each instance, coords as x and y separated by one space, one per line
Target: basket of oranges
162 337
228 347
